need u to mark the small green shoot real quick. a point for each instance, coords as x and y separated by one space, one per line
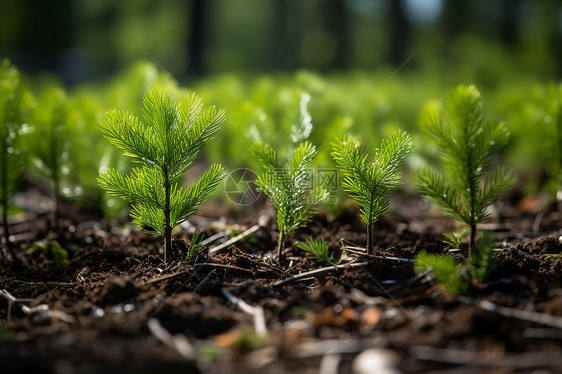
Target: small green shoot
456 277
289 186
454 239
447 272
369 183
166 147
318 248
194 244
53 248
469 182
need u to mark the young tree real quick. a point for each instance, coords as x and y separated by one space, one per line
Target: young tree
14 106
290 188
469 181
51 142
369 183
553 147
165 146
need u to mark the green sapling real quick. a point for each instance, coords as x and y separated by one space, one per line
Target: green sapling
165 146
456 277
14 107
51 143
469 181
289 186
554 145
318 248
369 183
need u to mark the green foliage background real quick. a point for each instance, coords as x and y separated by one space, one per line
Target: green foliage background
279 109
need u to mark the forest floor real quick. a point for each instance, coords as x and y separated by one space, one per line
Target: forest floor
115 307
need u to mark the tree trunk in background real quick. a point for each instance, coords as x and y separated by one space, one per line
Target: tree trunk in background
48 32
509 25
455 19
197 37
553 8
399 34
336 21
280 50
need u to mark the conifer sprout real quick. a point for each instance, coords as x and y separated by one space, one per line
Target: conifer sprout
369 183
52 142
554 156
290 188
469 180
318 248
14 107
165 146
458 277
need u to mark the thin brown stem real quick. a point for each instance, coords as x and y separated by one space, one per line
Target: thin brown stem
472 239
167 221
370 238
56 188
280 248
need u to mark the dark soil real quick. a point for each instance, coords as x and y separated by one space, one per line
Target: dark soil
92 314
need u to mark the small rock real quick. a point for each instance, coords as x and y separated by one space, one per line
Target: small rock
376 360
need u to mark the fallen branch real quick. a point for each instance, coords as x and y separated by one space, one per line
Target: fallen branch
360 297
333 346
164 277
214 238
255 311
390 258
471 358
46 313
318 271
12 300
223 266
525 315
228 243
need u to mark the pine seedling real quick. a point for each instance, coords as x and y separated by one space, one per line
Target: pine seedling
447 272
469 181
454 239
457 277
194 244
14 106
289 186
318 248
554 152
369 183
51 143
165 146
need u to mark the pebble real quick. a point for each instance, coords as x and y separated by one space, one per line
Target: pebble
376 360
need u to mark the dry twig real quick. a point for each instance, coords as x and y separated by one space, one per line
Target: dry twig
318 271
525 315
178 342
12 300
517 361
221 247
255 311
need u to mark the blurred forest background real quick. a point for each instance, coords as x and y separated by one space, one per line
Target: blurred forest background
480 40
